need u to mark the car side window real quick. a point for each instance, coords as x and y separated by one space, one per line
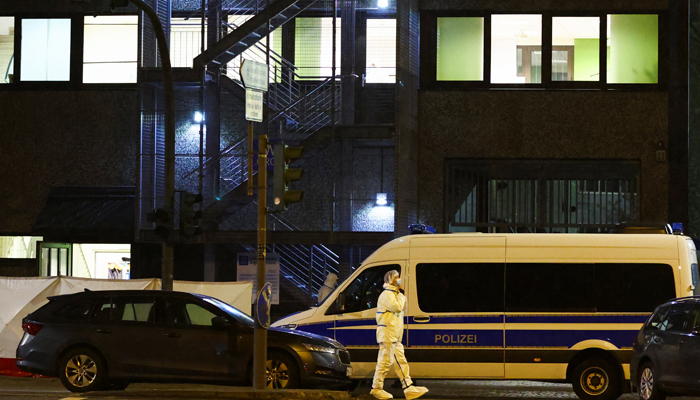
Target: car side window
76 310
694 320
363 292
675 319
129 309
184 313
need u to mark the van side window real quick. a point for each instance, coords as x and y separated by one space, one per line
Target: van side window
460 287
363 292
550 287
633 287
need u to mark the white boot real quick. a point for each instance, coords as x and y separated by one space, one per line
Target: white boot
414 392
382 394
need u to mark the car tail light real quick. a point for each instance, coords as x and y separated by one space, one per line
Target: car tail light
32 328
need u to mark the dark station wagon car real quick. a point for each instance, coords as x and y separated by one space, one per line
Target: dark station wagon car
107 339
666 352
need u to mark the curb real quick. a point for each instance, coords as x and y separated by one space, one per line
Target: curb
296 394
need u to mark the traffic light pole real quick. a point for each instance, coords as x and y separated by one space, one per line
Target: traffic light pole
168 250
260 333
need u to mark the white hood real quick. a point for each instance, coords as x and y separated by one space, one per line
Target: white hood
297 318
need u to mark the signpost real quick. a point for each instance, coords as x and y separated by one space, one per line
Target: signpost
255 78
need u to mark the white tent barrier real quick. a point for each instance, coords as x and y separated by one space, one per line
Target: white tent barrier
21 296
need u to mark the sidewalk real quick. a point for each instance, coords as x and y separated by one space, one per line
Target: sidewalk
16 386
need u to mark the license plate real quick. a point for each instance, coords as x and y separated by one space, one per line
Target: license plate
348 372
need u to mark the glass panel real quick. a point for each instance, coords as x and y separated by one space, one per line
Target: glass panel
45 50
576 48
54 262
381 51
185 41
18 246
550 287
313 44
633 48
63 260
460 287
45 262
7 48
110 49
199 315
535 66
633 287
508 33
460 49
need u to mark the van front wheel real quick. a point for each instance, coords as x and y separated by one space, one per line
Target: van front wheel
596 379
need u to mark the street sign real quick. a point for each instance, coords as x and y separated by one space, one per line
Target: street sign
247 270
254 75
253 105
262 306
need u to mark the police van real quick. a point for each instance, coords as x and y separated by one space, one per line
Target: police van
512 306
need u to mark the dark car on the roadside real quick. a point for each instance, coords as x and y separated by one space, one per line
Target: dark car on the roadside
666 352
97 340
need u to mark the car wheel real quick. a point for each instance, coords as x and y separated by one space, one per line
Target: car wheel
647 384
596 379
82 370
282 372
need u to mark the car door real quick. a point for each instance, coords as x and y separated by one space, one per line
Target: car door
355 314
129 331
689 351
196 348
664 343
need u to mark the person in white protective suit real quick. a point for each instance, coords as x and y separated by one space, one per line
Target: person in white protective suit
389 334
327 287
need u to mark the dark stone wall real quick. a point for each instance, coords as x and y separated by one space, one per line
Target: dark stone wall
542 5
48 138
542 125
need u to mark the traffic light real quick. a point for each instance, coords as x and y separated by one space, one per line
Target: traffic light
190 219
283 155
160 217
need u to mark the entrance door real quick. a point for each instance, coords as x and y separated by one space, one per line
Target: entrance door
55 259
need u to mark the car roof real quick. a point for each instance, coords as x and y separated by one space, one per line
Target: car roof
682 300
101 293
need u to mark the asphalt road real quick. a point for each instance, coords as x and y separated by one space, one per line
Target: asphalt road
51 389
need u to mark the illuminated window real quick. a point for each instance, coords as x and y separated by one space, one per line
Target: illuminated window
110 49
381 51
313 44
7 48
185 41
633 46
576 49
45 50
516 48
460 49
256 52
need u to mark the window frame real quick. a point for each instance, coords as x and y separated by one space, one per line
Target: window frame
75 81
428 49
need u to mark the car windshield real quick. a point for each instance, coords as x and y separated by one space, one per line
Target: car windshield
230 310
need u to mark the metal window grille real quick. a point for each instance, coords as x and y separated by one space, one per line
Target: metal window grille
540 196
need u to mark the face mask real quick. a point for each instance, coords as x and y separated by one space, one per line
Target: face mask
398 282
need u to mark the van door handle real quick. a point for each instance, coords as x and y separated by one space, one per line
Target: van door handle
103 331
172 335
421 319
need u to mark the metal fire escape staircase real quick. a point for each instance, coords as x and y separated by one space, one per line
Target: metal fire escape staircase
299 108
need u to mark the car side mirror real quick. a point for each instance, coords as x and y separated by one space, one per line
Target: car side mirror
220 322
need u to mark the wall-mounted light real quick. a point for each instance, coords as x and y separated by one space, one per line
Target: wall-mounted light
383 3
381 199
198 117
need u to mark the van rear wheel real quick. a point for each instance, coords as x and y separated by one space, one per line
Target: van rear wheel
596 379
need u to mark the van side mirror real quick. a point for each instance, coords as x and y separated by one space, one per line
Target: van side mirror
341 302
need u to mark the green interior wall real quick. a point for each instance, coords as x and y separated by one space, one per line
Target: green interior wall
307 45
634 49
460 49
586 59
